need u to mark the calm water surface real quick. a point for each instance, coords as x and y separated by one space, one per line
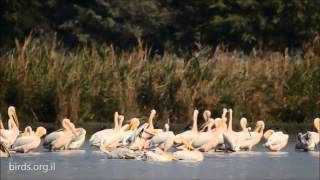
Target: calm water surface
89 163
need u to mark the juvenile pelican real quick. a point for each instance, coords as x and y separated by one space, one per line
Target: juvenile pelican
29 142
8 136
58 140
275 140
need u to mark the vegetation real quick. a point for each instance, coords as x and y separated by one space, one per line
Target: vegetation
87 59
163 24
46 83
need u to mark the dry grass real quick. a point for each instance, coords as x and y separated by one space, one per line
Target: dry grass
47 83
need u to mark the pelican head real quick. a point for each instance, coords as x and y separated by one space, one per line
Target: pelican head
268 133
153 113
13 115
243 123
317 124
41 131
206 115
259 126
27 131
134 123
68 125
166 127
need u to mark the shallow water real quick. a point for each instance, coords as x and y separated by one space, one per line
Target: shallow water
89 163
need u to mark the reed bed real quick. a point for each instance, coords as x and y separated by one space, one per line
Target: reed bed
46 82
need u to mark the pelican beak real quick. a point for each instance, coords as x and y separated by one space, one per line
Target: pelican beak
257 129
187 143
204 126
13 115
1 123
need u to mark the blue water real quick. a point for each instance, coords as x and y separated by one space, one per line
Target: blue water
89 163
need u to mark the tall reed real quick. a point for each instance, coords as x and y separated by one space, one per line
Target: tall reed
47 82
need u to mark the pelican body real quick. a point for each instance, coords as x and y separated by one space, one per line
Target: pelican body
27 143
275 140
59 140
8 136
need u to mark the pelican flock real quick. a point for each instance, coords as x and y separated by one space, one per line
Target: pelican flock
136 140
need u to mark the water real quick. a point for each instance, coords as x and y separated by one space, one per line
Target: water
89 163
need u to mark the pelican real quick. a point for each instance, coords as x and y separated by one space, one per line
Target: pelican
203 138
127 132
113 137
188 155
217 137
96 138
8 136
310 140
29 142
275 140
136 142
27 132
254 137
59 140
119 153
190 134
165 138
150 131
4 151
78 140
158 155
230 137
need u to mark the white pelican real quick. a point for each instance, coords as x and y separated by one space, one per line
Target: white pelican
8 136
216 138
126 132
150 131
96 138
78 140
27 132
230 137
203 138
58 140
112 138
254 137
310 141
188 136
275 140
29 142
164 139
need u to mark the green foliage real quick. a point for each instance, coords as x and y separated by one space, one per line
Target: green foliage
165 24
